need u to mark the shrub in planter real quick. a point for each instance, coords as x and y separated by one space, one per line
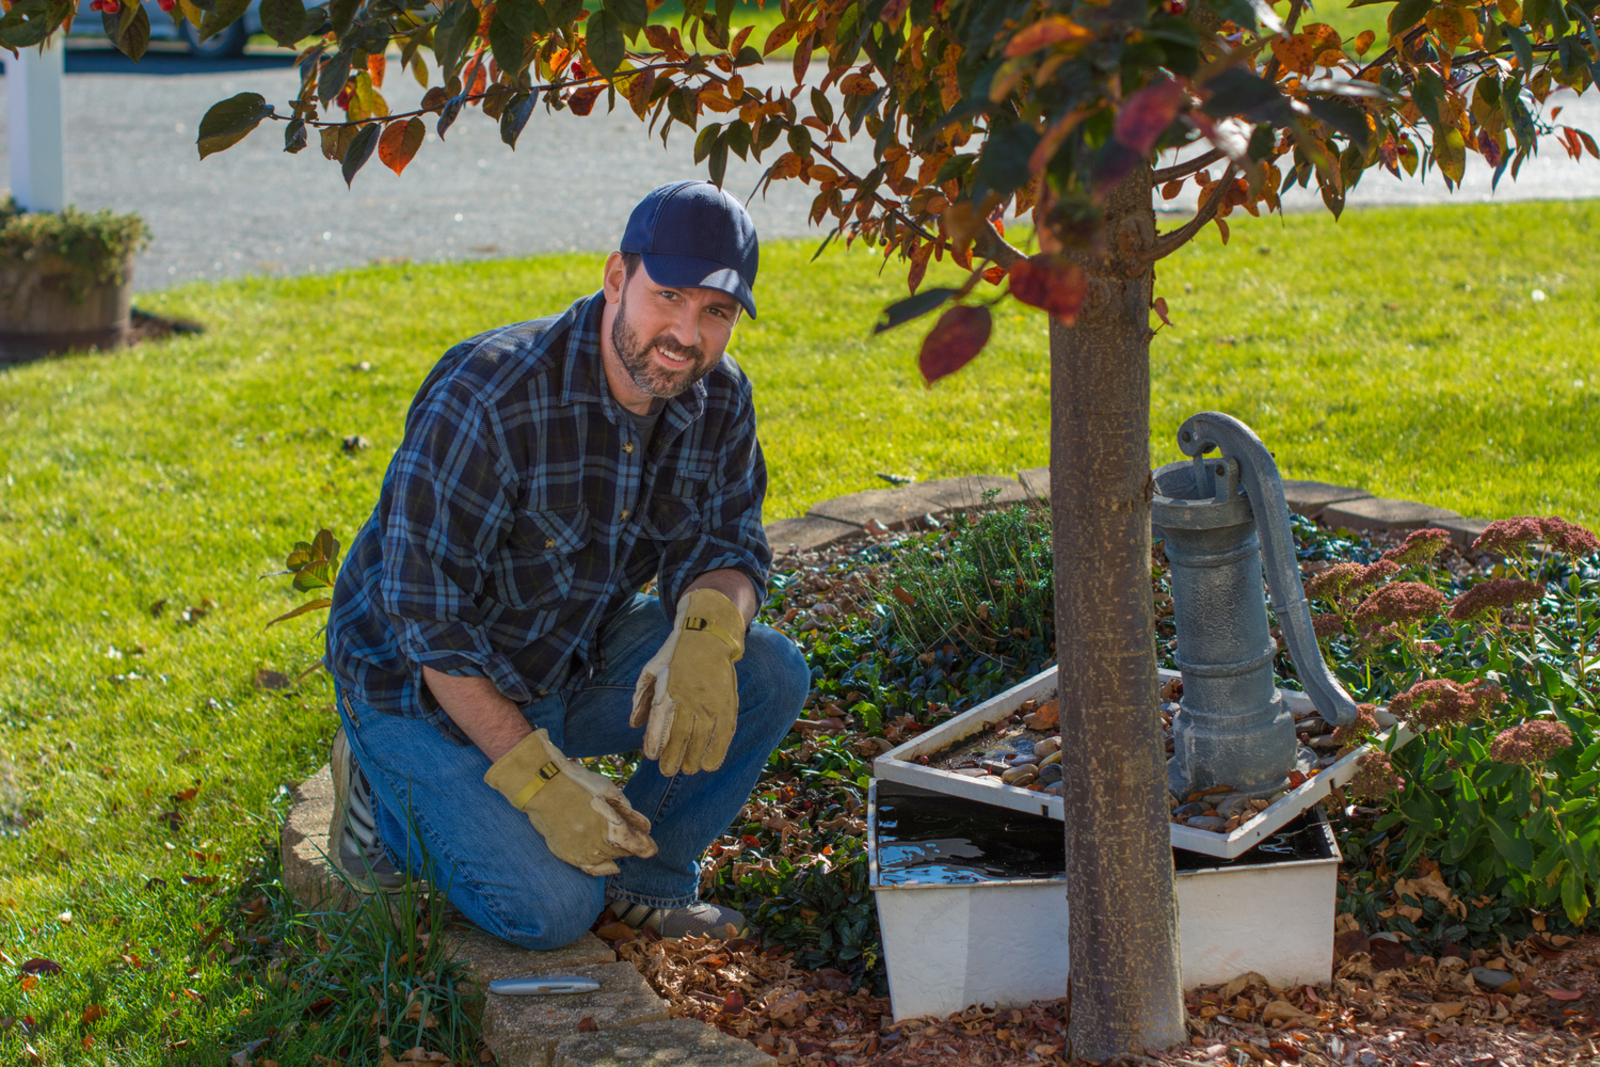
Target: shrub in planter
65 279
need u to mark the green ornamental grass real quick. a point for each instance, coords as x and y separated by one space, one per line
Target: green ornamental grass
145 754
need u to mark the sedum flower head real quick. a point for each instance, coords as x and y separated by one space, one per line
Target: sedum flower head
1374 778
1439 702
1379 571
1568 538
1492 595
1327 625
1530 742
1363 726
1333 582
1399 602
1419 547
1508 537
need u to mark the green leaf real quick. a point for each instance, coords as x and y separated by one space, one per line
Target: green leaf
903 311
515 117
132 35
518 15
822 106
717 165
1573 897
294 136
310 605
739 138
220 17
507 46
1348 120
1406 14
631 12
355 157
228 121
331 78
703 143
341 13
325 545
606 45
452 36
1514 849
282 19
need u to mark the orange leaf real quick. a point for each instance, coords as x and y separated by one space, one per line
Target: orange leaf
1160 306
1223 226
28 982
1364 42
376 65
1297 53
919 266
994 275
1148 112
1050 283
93 1014
1046 32
954 341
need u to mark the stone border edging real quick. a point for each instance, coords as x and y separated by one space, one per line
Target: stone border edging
853 515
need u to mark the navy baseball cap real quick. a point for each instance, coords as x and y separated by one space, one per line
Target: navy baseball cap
692 234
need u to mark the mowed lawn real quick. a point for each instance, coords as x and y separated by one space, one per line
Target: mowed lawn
143 493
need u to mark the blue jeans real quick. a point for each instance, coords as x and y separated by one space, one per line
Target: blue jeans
431 801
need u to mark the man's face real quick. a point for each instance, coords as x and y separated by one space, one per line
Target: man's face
667 339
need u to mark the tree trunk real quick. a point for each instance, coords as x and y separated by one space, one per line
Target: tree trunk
1127 990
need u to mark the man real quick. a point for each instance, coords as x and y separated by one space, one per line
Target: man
488 629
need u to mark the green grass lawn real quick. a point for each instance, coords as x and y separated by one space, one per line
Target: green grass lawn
1399 350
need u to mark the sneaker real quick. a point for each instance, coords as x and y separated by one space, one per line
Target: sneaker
353 843
695 920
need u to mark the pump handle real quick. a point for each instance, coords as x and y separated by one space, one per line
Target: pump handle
1258 474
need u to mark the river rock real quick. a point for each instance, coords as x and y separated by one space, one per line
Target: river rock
1192 809
1055 790
1492 980
1050 773
1046 747
1022 770
1232 804
1054 757
1213 823
972 772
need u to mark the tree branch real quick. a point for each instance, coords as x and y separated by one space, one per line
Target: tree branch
991 246
1187 167
1169 243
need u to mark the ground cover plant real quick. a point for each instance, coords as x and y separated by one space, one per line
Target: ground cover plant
142 494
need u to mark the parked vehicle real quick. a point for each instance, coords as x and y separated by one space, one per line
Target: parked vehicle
230 42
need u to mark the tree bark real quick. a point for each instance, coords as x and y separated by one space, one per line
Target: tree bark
1127 990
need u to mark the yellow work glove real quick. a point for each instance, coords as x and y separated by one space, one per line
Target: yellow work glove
583 816
687 697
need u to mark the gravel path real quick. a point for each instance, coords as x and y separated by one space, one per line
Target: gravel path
568 186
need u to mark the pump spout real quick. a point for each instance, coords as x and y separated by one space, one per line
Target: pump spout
1258 477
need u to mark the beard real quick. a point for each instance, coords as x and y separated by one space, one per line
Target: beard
646 372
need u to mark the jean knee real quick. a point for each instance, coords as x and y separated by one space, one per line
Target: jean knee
778 666
541 928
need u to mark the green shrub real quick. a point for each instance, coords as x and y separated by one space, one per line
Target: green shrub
83 250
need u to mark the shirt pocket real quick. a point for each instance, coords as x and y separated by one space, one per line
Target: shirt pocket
545 547
671 518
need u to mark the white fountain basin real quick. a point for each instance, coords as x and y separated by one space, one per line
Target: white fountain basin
949 946
900 765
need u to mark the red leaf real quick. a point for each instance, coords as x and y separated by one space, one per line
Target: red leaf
1562 994
994 274
1050 283
919 266
1222 227
587 1025
400 142
733 1003
318 1008
582 101
1160 306
954 341
1147 113
41 966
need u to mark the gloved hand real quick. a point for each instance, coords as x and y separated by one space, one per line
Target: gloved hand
582 815
687 697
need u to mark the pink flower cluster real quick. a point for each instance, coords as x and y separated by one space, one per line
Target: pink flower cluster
1333 582
1327 625
1374 777
1509 537
1358 730
1399 602
1438 702
1530 742
1419 547
1495 594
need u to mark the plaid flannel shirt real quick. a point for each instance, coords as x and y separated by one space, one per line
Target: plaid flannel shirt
521 511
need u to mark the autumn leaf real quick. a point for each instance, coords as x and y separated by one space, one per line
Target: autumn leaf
376 65
400 142
587 1025
954 341
41 966
1159 304
1364 42
93 1014
1050 283
582 101
1046 32
1147 113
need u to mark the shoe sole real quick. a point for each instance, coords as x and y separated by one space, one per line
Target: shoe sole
342 762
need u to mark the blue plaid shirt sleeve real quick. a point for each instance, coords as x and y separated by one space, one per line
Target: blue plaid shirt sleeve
452 496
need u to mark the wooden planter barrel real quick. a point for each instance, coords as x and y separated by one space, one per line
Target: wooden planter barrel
38 315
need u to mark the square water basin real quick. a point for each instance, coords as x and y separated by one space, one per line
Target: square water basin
972 903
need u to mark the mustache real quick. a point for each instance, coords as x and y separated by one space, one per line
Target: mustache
668 345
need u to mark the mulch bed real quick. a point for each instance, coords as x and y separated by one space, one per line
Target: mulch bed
1384 1008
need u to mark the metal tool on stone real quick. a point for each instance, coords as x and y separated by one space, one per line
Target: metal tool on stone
1225 521
543 985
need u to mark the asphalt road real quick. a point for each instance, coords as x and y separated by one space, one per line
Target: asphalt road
568 186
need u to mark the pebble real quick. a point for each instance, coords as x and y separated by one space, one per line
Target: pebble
1055 790
1213 823
1051 760
1020 771
1191 809
1050 773
1047 746
1232 804
1491 979
972 772
1023 782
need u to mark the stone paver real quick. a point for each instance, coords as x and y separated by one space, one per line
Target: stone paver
964 494
1035 482
304 847
808 532
1464 531
524 1031
894 508
1382 513
679 1042
491 958
1310 498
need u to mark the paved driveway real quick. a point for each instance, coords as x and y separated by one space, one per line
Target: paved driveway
569 184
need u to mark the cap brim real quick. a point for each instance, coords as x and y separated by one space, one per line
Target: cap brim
692 272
